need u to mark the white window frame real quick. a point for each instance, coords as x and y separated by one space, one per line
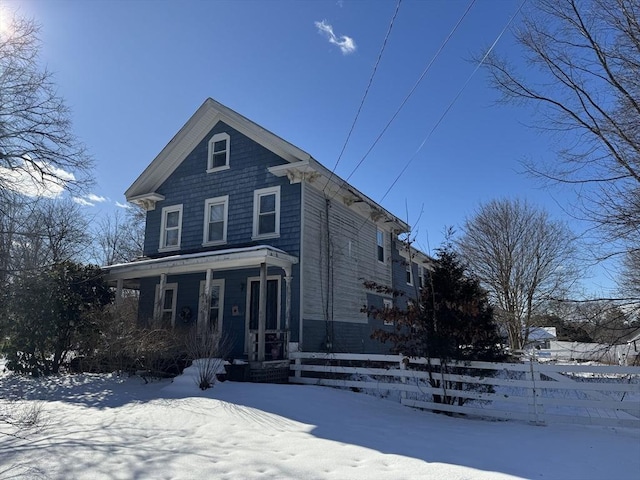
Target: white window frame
380 243
158 314
219 282
420 276
224 200
257 194
387 303
217 138
165 212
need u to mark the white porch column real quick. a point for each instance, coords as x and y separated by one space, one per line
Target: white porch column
160 298
287 311
262 311
205 303
287 307
119 285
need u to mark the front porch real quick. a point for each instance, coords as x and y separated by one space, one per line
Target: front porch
245 294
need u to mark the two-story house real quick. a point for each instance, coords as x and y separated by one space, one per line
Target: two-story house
251 235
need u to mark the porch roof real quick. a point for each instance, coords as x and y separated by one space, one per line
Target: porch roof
227 259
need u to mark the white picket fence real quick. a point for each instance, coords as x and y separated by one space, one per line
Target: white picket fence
539 393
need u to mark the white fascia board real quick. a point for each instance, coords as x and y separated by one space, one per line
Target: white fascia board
199 262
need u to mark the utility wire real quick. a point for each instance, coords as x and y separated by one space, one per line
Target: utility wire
366 92
454 100
451 104
413 89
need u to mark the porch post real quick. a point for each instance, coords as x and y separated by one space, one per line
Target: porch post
160 298
262 311
287 311
119 285
205 303
287 307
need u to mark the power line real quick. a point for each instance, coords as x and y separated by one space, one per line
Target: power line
366 92
454 100
450 105
413 89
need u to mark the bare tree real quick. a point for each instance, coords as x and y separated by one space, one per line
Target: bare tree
586 56
38 233
120 237
521 257
38 152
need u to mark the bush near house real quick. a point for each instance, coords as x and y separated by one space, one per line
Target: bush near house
51 312
451 320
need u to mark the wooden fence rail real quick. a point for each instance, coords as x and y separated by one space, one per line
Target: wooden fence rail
539 393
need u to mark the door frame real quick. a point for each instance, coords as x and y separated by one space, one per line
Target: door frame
247 337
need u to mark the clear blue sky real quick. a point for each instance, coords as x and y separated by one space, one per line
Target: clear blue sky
133 72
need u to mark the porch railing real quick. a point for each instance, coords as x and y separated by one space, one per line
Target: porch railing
275 345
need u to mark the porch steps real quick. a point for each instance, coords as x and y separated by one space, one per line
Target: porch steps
269 371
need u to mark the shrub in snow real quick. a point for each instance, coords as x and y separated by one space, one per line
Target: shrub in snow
50 313
207 349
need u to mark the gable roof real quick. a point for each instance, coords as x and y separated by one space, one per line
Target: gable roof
192 133
143 190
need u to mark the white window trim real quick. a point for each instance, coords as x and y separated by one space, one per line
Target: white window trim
207 204
168 286
206 308
165 211
387 303
216 138
384 249
420 276
256 207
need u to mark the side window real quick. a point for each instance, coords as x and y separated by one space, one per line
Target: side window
219 147
167 312
409 273
420 276
380 245
171 227
266 212
387 303
215 220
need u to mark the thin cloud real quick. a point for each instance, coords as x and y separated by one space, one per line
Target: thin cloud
43 181
92 197
346 44
122 205
89 200
83 202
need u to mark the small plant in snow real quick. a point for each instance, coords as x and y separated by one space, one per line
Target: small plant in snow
207 350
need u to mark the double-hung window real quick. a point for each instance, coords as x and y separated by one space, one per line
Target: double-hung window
215 220
380 245
266 212
219 147
171 227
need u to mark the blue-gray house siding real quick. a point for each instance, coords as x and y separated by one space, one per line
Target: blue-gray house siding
190 185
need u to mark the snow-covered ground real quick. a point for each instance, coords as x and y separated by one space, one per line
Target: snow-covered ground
106 427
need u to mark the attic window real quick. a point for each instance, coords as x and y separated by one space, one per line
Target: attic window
218 153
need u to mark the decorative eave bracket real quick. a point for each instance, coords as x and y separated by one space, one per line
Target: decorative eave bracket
147 201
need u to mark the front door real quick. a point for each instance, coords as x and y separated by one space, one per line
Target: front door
272 318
